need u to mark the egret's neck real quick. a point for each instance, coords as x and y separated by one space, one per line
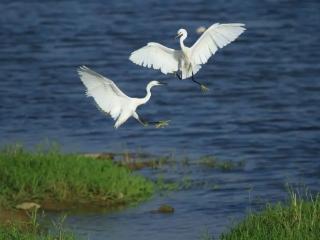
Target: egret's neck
182 38
147 97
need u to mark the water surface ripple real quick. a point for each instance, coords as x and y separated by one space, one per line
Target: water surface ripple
263 104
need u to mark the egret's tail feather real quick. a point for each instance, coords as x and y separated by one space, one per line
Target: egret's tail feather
187 73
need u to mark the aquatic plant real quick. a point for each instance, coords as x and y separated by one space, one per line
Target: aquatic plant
296 220
213 162
206 235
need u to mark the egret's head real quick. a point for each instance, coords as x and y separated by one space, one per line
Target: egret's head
181 32
155 83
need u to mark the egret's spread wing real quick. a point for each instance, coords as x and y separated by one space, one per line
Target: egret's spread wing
215 37
106 94
157 56
88 71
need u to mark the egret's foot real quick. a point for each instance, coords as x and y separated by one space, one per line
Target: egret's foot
162 123
144 123
204 88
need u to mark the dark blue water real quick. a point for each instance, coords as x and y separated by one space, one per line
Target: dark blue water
263 104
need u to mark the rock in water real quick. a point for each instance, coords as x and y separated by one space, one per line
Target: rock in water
165 208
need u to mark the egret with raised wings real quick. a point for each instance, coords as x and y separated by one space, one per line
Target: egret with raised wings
111 100
186 62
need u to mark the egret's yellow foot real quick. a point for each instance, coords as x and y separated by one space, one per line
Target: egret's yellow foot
204 88
162 123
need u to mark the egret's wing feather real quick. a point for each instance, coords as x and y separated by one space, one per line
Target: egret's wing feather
157 56
122 118
107 95
88 71
215 37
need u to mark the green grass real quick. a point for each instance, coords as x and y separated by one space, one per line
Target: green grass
49 175
298 220
31 230
16 233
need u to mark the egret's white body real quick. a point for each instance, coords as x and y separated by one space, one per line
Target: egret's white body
110 99
188 60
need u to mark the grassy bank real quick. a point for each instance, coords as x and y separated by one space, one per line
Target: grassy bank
15 233
31 230
297 220
55 180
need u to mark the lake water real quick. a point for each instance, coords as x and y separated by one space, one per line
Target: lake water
262 107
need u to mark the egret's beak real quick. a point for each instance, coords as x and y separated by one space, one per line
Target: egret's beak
163 83
178 35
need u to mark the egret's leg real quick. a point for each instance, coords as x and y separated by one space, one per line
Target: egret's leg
157 124
202 86
140 120
143 122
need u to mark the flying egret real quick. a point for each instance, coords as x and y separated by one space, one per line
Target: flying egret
111 100
187 61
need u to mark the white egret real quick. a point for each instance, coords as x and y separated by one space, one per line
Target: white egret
187 61
111 100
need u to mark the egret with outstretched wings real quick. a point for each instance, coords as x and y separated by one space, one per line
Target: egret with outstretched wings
186 62
111 100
